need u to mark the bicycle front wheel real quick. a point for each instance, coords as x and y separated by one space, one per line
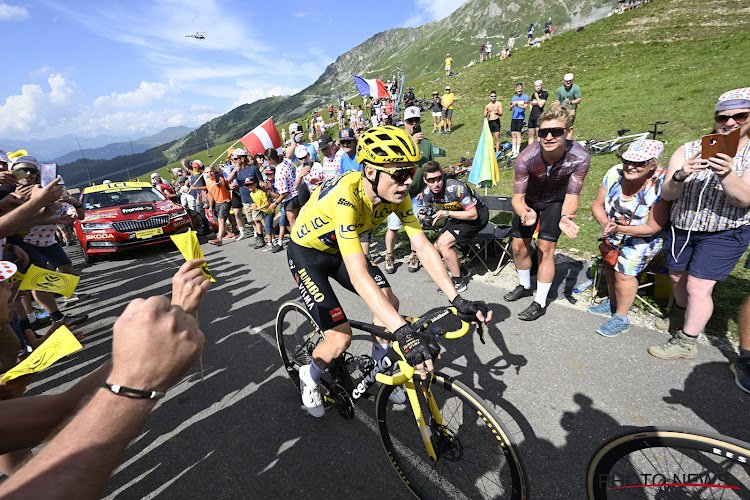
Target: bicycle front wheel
476 458
297 334
670 463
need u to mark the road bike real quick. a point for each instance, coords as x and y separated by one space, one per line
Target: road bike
444 441
670 462
622 141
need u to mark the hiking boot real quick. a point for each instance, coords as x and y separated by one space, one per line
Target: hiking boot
613 327
679 346
674 321
310 393
390 263
517 293
414 263
603 308
741 370
533 312
277 248
259 243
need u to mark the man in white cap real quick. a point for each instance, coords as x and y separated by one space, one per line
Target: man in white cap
298 136
163 187
309 175
242 169
569 95
538 100
447 101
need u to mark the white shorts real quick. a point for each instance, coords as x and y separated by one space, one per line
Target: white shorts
394 223
437 114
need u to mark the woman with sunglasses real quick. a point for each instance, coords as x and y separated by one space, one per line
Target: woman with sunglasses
710 224
631 211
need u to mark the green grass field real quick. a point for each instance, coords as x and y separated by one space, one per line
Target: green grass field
669 60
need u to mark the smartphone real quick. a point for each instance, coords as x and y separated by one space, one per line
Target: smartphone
48 172
417 128
713 144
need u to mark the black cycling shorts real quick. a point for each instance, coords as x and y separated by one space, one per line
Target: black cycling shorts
516 125
494 125
465 230
312 270
533 123
548 212
236 200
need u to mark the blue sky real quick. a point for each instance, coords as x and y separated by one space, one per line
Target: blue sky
90 67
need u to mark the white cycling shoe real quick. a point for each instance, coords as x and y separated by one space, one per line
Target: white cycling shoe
310 393
398 395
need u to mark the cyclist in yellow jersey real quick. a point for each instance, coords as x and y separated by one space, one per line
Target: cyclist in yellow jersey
325 244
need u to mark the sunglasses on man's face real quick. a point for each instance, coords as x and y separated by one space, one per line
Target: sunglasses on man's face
555 131
26 170
433 180
738 117
404 174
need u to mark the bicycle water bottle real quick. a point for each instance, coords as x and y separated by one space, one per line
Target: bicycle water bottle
583 286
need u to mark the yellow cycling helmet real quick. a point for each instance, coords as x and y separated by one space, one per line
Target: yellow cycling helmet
381 147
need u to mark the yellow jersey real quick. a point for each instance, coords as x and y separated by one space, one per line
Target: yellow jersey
339 212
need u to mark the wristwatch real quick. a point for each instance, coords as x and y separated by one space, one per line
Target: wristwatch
676 178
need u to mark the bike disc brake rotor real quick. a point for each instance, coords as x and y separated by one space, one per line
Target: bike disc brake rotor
342 402
447 445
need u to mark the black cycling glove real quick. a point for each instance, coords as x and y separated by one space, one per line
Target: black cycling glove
469 309
414 346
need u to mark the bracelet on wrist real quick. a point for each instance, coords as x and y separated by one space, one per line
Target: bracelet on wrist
131 393
677 178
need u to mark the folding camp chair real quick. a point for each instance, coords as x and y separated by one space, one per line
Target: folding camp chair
493 236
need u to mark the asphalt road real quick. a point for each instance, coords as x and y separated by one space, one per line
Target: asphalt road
560 388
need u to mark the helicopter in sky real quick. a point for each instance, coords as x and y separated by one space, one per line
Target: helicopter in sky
198 35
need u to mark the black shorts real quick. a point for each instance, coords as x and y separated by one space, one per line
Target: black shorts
494 125
236 200
533 121
516 125
447 113
465 230
221 211
548 212
312 270
292 203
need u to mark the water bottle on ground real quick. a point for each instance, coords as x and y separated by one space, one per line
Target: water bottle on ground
583 286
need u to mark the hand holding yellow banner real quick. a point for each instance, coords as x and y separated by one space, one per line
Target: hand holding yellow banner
45 280
190 248
61 343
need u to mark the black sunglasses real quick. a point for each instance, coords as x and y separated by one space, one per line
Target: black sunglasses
403 174
555 131
636 164
433 180
738 117
28 170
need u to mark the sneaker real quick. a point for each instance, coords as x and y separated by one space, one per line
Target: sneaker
229 236
267 247
674 321
259 243
613 327
448 132
310 393
458 283
75 320
741 370
414 263
533 312
603 308
277 248
679 346
398 395
216 242
517 293
390 263
241 236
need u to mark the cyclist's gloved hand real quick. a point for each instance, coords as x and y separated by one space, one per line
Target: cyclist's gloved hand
469 309
414 347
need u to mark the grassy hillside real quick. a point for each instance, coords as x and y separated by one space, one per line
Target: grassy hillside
668 60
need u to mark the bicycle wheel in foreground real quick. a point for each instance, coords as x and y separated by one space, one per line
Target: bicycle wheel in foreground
670 463
297 334
476 458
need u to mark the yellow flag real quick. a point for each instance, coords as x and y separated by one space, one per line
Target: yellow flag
44 280
188 245
18 276
61 343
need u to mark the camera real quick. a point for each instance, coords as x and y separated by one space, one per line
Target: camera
428 213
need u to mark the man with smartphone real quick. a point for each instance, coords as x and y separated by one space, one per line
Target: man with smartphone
413 127
710 222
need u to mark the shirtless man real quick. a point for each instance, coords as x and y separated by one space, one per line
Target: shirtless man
493 111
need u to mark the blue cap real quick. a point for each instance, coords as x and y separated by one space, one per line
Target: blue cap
347 134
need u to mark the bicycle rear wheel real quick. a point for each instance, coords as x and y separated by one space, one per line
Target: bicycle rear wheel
669 462
476 458
297 334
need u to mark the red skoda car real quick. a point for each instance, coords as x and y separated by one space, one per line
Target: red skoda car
122 215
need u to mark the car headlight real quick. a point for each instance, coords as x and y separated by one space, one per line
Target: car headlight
91 226
179 213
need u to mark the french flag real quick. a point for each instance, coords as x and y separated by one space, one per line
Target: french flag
262 137
371 87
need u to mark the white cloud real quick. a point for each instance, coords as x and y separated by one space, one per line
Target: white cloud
12 12
253 94
35 109
40 72
142 97
431 10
